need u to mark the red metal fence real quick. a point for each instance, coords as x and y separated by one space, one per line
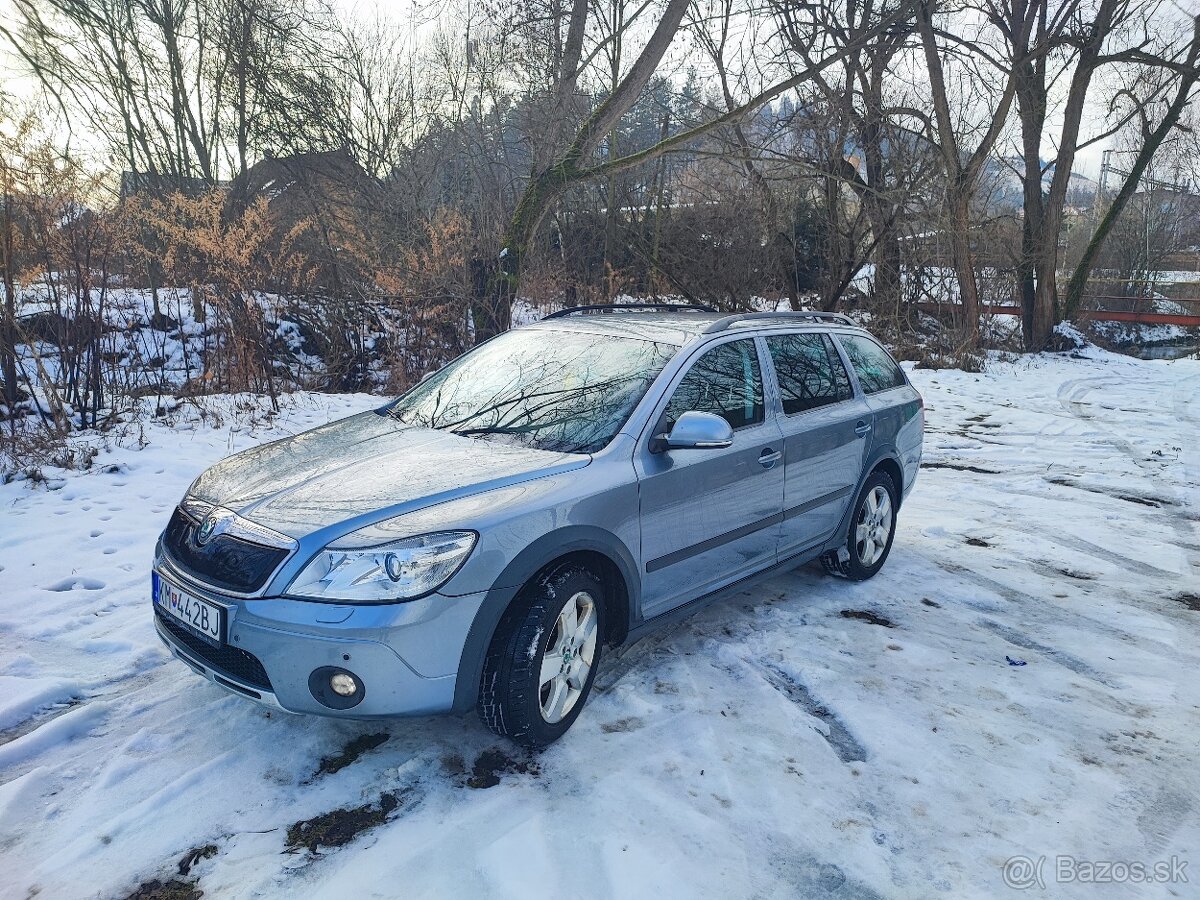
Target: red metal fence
1095 315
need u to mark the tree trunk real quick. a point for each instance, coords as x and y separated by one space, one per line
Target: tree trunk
8 322
962 178
493 312
964 264
1031 110
888 287
885 287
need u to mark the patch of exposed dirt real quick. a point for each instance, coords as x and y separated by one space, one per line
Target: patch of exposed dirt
976 542
1076 574
1188 599
195 855
351 752
494 762
176 888
341 826
927 602
865 616
959 467
631 723
171 889
454 765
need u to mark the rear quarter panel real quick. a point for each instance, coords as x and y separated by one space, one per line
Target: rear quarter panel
898 426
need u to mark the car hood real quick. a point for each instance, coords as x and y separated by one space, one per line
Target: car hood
368 465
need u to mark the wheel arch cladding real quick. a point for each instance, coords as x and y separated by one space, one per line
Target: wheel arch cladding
598 550
892 467
885 461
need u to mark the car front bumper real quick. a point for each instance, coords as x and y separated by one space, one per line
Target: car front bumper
405 655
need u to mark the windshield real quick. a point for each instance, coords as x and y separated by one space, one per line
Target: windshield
554 390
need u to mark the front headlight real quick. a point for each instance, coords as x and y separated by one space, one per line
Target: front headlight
398 570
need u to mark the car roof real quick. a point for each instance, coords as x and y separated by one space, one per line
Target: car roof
677 327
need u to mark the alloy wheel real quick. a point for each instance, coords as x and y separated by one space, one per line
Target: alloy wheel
874 525
567 662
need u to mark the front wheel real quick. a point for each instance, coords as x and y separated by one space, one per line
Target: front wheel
543 658
872 527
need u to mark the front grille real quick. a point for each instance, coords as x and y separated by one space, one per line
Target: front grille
231 661
224 562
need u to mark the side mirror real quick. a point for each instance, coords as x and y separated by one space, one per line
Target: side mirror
696 431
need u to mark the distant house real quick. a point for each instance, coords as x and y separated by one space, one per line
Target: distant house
302 183
158 184
328 190
1176 203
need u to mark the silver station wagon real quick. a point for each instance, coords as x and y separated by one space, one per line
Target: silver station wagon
555 491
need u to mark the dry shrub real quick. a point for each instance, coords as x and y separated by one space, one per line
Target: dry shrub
963 358
429 294
61 363
235 263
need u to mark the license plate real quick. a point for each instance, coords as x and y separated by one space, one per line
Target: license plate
204 619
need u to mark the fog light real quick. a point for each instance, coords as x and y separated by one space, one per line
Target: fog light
336 688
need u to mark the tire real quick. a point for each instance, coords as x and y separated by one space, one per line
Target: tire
869 540
515 699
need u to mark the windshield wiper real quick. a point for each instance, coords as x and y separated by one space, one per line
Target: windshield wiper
558 447
493 430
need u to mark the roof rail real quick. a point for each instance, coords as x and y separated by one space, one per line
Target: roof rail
613 307
729 321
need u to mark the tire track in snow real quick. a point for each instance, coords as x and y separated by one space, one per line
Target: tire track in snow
1181 401
1025 642
1056 615
1095 550
1071 395
74 722
38 719
615 665
837 735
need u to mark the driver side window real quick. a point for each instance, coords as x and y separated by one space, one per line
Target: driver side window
726 380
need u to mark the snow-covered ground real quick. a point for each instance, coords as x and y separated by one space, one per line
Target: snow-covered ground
809 737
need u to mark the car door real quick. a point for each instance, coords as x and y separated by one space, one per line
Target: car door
710 516
825 428
895 405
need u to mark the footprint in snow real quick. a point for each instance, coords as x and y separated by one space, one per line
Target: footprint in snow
77 583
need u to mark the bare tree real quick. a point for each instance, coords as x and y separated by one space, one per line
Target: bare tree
181 86
376 93
573 165
1071 43
885 129
10 178
983 115
1169 82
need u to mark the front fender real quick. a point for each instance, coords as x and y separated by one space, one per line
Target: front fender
519 572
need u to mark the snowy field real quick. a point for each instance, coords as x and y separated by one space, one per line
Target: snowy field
809 737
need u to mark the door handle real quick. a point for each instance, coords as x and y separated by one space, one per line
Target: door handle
769 457
862 428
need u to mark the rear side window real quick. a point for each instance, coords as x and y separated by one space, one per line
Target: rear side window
727 381
809 371
875 368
